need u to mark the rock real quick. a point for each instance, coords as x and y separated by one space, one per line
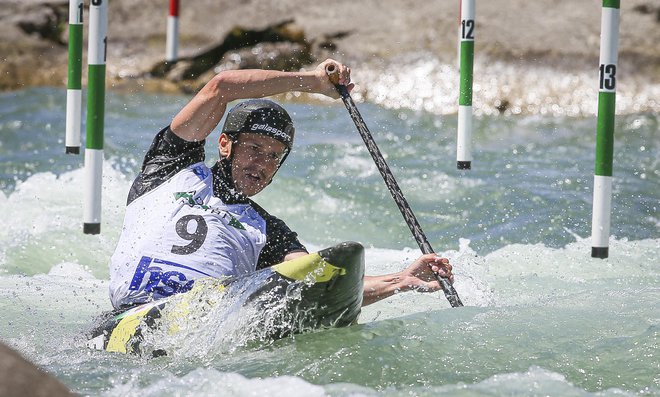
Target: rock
47 20
19 377
282 46
381 31
277 56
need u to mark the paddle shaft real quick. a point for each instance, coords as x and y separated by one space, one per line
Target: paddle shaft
392 185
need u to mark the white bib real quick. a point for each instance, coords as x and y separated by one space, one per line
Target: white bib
179 232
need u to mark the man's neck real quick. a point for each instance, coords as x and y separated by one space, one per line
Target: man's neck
223 184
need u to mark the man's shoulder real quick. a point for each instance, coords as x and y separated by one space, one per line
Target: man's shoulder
261 211
274 225
167 156
167 148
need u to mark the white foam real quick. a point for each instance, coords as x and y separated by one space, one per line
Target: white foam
210 382
535 381
43 221
422 82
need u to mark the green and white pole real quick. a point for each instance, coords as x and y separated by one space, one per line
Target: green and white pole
609 47
96 54
74 82
466 49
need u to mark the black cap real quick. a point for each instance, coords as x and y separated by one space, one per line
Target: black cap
260 116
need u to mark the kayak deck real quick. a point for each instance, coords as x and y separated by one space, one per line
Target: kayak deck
319 290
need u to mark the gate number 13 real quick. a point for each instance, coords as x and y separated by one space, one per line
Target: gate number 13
607 76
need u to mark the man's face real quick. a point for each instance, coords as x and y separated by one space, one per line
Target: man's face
255 160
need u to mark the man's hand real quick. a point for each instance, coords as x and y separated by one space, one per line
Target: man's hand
344 77
420 274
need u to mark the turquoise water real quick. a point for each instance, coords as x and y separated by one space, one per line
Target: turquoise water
541 318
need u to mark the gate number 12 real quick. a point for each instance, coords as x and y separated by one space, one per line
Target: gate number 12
467 29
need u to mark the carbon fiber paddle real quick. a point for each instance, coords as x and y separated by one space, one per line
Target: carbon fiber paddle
393 187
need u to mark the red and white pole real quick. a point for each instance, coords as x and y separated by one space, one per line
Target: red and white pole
172 42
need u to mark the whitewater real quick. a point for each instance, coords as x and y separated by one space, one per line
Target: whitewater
542 317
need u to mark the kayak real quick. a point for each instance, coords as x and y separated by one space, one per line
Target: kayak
319 290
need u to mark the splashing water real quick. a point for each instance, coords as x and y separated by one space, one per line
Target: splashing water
541 316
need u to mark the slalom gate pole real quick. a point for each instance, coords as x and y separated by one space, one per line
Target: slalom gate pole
466 63
172 40
602 201
390 182
96 55
74 81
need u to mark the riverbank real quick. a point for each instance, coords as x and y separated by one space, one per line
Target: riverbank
376 37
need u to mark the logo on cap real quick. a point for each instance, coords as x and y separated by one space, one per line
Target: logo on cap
275 132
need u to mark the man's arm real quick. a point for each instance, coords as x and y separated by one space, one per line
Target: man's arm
203 113
418 276
294 255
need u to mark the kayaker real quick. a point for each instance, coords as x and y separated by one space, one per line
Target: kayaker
185 220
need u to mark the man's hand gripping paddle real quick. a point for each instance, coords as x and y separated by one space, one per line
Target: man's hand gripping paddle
392 186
